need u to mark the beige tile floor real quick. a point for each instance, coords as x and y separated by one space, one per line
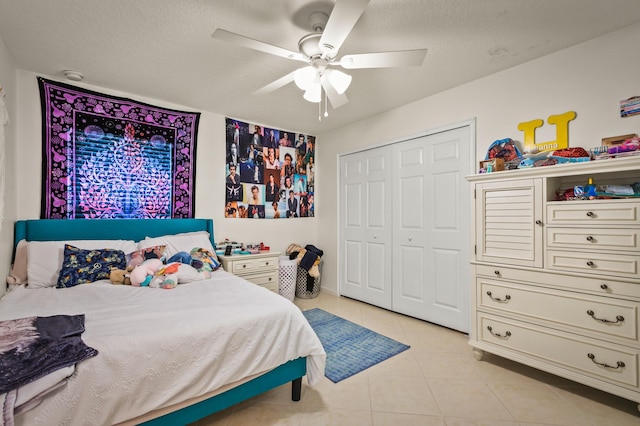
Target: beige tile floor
436 382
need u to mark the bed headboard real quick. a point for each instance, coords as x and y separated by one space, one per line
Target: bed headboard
106 229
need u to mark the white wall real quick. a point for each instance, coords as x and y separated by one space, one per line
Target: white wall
8 82
210 173
590 79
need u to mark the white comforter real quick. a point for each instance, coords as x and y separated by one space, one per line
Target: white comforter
159 347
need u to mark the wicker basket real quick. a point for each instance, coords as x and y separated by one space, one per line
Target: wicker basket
301 284
287 270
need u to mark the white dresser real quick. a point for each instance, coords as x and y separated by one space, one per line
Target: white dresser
556 284
261 269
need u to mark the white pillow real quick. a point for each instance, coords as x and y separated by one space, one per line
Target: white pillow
44 258
178 242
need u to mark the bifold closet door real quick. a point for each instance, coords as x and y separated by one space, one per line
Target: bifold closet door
366 226
431 227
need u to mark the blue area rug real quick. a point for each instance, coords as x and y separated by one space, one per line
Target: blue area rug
350 348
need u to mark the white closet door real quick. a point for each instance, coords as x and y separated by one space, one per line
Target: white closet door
365 223
431 227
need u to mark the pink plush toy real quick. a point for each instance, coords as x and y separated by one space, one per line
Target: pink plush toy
142 274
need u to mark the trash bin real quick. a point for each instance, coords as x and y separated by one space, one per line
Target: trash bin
303 288
287 271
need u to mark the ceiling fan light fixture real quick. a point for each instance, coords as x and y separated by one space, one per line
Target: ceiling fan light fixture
313 93
339 80
304 77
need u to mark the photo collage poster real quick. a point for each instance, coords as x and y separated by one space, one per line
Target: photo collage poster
269 172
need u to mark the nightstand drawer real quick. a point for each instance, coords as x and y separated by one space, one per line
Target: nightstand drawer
609 212
594 238
267 280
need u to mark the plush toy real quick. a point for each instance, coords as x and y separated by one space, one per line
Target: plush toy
169 276
186 258
120 276
142 274
209 261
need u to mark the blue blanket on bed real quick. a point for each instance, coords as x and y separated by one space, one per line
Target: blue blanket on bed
33 347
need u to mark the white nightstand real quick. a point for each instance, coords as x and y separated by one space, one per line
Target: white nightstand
261 269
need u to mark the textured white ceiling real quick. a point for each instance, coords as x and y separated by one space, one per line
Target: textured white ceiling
163 48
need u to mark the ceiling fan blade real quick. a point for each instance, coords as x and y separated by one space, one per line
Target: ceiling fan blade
336 99
240 40
343 17
401 58
281 82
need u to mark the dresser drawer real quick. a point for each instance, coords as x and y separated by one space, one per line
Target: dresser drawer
594 238
606 361
597 286
603 317
267 280
620 265
609 212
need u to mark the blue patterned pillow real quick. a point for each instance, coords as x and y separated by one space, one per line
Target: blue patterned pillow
86 266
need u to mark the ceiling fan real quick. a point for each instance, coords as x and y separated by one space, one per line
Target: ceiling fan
319 50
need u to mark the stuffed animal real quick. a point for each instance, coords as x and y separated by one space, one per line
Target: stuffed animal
173 274
186 258
208 261
142 274
119 276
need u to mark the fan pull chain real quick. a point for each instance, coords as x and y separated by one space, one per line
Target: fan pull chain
326 114
320 109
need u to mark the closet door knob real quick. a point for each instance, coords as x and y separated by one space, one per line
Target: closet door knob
538 222
410 238
375 236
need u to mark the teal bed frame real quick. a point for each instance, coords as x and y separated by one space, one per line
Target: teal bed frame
138 229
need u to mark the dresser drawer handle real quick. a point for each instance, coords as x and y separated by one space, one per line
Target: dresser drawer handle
497 299
266 263
619 364
590 238
604 286
590 214
496 272
538 222
590 264
506 334
619 318
244 266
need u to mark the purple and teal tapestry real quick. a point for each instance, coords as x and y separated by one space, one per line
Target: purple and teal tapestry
107 157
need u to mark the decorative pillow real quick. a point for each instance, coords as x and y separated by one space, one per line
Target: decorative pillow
18 274
135 258
86 266
175 243
45 257
209 259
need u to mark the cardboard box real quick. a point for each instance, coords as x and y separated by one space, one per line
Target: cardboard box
617 140
493 165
